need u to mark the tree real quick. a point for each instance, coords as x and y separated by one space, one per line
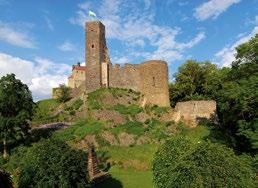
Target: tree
238 98
181 163
195 80
64 93
16 106
52 163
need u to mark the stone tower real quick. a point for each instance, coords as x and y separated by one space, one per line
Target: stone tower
97 59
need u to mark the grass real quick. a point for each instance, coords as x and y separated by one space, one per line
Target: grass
130 127
128 178
128 110
79 130
132 156
43 111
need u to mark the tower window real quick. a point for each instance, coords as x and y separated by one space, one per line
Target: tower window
153 81
92 46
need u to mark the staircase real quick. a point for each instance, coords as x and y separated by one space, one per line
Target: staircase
96 176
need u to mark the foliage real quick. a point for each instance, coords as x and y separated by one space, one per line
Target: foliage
234 89
238 98
64 93
77 104
180 162
16 106
193 81
52 163
5 179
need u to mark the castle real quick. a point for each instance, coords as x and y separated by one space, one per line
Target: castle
150 77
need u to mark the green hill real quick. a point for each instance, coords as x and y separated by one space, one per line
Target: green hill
125 134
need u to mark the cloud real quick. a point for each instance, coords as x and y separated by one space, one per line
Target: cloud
67 47
14 36
226 55
136 29
213 8
256 20
41 75
49 23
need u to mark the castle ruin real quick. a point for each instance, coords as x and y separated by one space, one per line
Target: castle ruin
150 77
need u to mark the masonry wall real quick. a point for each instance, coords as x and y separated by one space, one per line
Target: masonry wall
154 82
196 111
77 78
127 76
150 78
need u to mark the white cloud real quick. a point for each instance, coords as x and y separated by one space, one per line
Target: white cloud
49 23
41 75
135 28
67 46
12 35
256 20
226 56
213 8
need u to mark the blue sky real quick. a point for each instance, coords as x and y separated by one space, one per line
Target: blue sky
40 40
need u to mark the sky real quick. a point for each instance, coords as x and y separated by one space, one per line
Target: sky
41 40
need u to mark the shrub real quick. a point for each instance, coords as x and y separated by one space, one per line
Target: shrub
64 93
52 163
77 104
182 163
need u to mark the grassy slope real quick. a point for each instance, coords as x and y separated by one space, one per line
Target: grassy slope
131 166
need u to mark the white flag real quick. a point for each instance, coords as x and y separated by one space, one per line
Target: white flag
92 14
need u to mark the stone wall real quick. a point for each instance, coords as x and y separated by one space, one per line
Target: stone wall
127 76
154 82
150 78
196 111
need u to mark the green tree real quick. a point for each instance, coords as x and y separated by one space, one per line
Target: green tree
238 98
52 163
195 80
64 93
16 106
181 163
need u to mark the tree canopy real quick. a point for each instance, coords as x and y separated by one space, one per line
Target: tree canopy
181 163
16 106
234 89
52 163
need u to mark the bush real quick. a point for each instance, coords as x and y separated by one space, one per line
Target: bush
182 163
52 163
77 104
64 93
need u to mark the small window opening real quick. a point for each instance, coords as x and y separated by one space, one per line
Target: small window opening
153 81
92 46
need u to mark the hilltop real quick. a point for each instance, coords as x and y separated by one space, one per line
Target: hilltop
125 133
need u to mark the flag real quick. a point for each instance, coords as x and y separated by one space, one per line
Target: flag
92 14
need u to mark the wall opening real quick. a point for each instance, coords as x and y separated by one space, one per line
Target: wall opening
92 46
153 81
